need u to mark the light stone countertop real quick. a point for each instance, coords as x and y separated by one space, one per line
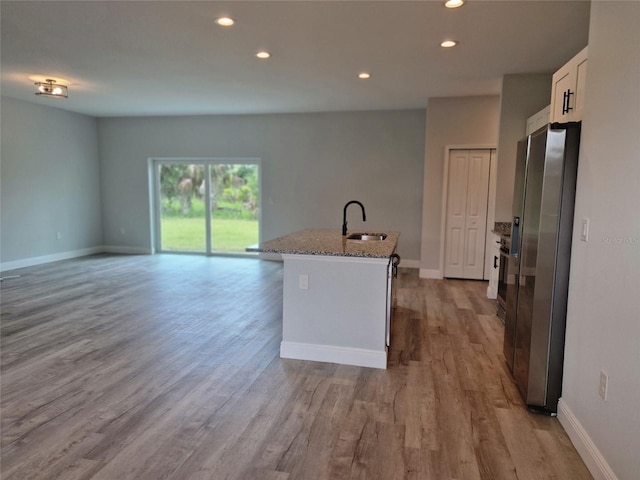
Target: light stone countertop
329 242
502 228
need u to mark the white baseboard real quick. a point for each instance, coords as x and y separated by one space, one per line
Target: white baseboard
334 354
429 273
30 262
590 454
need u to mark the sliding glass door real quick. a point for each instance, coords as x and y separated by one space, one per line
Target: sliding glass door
234 206
207 206
182 215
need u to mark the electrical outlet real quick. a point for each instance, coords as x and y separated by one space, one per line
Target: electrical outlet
303 282
604 385
122 231
58 236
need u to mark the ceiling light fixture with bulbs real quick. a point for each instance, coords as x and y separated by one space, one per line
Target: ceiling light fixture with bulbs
50 88
263 54
364 75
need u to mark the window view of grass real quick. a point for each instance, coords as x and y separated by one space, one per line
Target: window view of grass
233 203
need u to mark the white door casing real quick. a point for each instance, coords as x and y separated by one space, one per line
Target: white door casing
466 213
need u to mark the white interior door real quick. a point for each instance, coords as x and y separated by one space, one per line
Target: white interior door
466 223
456 213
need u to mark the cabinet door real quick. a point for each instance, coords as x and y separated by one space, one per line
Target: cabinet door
563 82
581 78
538 120
567 91
542 118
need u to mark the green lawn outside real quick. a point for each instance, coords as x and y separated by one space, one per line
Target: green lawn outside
188 234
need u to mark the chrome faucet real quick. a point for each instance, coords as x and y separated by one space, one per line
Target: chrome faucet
344 216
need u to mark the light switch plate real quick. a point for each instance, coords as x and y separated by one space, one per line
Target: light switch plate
303 282
604 385
584 231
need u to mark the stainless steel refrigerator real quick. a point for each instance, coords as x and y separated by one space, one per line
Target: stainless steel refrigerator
538 269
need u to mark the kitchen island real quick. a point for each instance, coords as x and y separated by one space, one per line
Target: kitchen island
336 296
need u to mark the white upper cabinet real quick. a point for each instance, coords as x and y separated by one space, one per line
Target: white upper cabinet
567 92
538 120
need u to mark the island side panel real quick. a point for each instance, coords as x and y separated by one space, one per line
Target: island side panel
341 317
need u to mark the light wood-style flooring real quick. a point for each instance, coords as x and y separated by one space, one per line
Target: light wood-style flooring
167 367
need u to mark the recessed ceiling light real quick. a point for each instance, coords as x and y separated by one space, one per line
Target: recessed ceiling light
263 54
225 21
453 3
364 75
449 43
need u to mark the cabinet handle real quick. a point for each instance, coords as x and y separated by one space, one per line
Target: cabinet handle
495 262
566 101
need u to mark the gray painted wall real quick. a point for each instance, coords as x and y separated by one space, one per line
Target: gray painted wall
450 121
49 181
312 164
522 96
603 327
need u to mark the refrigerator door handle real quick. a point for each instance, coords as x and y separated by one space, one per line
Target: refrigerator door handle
515 237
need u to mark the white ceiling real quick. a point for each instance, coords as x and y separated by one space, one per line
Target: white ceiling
125 58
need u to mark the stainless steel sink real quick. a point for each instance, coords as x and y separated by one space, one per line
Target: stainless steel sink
367 236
